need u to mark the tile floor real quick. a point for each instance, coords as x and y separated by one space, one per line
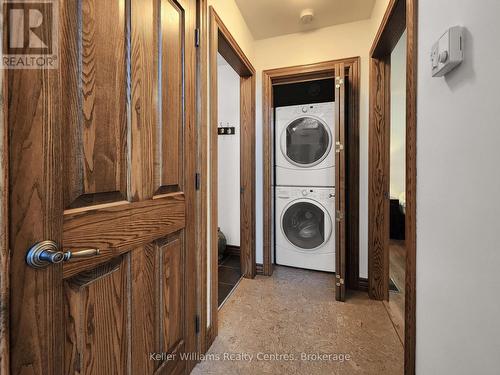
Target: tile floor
229 275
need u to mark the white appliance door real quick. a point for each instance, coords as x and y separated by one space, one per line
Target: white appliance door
306 141
306 224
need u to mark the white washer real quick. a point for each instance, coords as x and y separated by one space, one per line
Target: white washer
305 231
305 138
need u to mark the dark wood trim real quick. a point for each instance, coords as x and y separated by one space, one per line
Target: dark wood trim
411 184
229 48
211 335
221 41
297 74
340 184
202 91
247 174
400 14
378 185
387 37
363 284
4 228
212 172
352 157
259 268
233 250
267 172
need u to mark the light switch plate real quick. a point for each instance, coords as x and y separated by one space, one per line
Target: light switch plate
447 53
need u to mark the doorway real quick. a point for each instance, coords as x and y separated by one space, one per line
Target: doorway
389 207
397 187
228 179
345 74
221 43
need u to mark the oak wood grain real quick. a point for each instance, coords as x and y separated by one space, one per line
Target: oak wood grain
35 213
102 314
97 306
379 178
171 292
267 178
117 229
202 168
169 155
95 118
411 185
4 226
247 176
144 304
144 94
191 252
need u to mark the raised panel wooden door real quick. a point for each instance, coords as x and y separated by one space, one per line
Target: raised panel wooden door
340 183
102 157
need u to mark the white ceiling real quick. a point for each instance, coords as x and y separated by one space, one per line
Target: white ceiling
268 18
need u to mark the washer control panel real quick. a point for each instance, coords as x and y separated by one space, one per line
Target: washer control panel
305 192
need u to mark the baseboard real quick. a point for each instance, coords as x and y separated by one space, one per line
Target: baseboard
233 250
363 284
259 268
211 335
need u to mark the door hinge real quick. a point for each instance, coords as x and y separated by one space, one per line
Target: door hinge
197 181
339 216
340 281
197 324
339 81
338 147
197 37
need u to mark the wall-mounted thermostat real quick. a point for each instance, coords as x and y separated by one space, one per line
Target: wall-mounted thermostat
447 52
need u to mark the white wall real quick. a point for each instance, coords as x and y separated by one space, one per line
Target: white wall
398 121
458 225
329 43
229 153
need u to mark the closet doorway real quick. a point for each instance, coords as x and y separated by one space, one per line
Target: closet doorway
225 55
345 72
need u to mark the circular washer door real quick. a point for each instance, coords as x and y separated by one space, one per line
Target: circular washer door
306 141
306 224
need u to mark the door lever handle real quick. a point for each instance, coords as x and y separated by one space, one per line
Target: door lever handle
80 254
43 253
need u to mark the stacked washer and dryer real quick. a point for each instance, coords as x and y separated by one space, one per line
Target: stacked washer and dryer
305 186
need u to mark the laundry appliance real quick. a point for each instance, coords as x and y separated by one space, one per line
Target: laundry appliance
305 232
304 140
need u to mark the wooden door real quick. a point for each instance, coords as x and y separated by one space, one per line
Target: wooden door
340 183
102 157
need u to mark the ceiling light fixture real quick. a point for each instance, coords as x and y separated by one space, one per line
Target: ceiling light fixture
306 16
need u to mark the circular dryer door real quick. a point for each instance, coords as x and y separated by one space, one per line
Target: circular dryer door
306 224
306 141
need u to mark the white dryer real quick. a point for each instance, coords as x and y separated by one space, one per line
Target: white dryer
304 140
305 231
